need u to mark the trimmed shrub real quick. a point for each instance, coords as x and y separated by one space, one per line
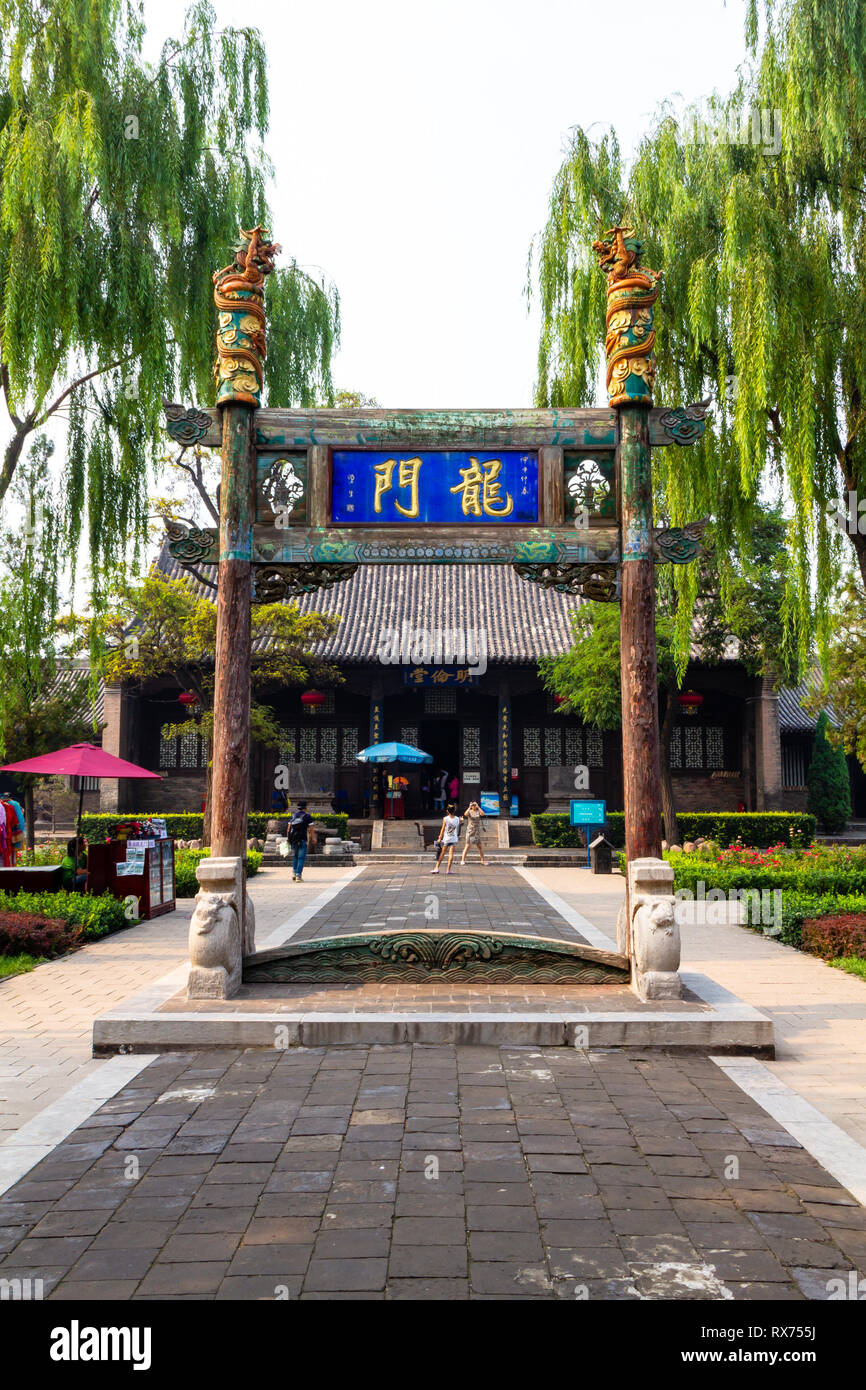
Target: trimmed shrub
800 877
187 825
185 861
838 934
829 787
759 829
96 916
24 933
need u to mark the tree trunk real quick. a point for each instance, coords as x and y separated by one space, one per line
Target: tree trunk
669 808
12 455
206 818
30 819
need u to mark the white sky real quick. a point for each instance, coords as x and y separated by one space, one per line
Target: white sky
415 147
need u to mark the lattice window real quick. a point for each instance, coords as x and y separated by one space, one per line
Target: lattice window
553 747
574 747
288 749
715 746
409 734
350 746
532 748
694 747
471 746
794 765
308 743
594 748
326 708
328 745
440 701
189 750
676 753
167 750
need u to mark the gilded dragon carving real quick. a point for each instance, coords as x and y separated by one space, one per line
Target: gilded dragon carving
239 298
632 290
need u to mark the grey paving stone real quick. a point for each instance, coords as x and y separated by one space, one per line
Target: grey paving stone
331 1276
428 1261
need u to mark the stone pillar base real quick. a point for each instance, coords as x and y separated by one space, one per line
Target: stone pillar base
654 946
221 931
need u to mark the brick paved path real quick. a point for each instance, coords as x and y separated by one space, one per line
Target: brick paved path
431 1172
486 899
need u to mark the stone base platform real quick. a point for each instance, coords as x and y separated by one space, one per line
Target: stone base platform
162 1019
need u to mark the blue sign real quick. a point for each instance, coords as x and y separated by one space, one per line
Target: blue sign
588 812
489 803
445 488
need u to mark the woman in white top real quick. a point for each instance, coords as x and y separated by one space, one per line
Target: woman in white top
447 838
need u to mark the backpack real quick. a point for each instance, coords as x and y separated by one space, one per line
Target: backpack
298 828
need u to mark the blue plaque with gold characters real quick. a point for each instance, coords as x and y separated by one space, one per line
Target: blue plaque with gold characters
443 488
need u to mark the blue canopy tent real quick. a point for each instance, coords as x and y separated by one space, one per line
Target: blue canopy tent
384 753
393 753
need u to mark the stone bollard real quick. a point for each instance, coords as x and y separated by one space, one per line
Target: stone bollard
655 934
221 931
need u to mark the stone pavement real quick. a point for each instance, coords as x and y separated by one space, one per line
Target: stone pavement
389 896
431 1173
819 1014
46 1017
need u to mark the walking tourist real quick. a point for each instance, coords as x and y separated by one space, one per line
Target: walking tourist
441 791
473 816
448 837
299 832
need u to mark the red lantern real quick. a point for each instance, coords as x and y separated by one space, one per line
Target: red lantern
188 697
559 699
690 702
312 699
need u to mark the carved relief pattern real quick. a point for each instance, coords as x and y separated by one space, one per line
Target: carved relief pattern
471 746
239 293
552 747
715 747
632 290
573 747
594 748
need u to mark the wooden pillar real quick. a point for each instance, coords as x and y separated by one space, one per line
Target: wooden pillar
638 663
377 712
503 745
231 743
239 298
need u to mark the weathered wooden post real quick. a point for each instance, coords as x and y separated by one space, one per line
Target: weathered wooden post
239 297
222 928
629 339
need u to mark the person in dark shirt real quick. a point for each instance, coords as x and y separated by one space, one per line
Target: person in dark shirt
299 830
70 876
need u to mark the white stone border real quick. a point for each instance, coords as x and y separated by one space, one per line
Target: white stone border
36 1139
575 919
835 1150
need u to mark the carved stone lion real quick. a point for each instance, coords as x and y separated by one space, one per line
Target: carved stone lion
214 947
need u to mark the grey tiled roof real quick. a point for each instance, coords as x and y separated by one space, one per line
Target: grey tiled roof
75 676
523 622
793 718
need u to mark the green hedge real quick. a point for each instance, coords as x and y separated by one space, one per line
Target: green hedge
95 916
185 861
802 878
187 825
757 829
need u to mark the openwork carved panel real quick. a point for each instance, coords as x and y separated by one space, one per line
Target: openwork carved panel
676 753
409 734
308 741
350 746
532 747
594 748
715 746
471 746
573 747
328 744
694 747
440 701
552 747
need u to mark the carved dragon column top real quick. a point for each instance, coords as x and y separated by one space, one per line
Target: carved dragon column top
239 292
632 290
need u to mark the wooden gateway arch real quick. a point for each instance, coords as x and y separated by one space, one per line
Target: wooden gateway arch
564 496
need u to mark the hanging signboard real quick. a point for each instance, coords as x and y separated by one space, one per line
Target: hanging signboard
443 488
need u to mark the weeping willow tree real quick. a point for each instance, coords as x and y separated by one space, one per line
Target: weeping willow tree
122 186
754 206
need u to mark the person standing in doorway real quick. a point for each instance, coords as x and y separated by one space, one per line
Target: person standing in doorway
473 817
448 838
453 788
441 791
299 832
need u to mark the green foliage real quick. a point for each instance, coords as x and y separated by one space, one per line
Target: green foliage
758 828
829 789
17 965
852 965
587 675
846 672
122 185
185 861
690 872
187 825
799 907
763 301
95 916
